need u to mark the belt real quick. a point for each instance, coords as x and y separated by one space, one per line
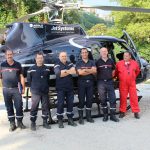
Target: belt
86 80
105 80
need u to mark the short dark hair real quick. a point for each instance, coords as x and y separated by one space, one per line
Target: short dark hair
127 52
83 49
39 53
6 49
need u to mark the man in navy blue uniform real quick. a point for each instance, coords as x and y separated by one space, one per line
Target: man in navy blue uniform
38 79
12 78
105 71
86 70
64 87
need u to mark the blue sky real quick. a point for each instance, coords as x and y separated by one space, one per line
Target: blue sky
100 2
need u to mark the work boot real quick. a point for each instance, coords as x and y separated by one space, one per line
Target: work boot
136 115
45 124
33 126
105 111
12 126
81 120
21 125
60 123
71 122
122 114
88 116
113 115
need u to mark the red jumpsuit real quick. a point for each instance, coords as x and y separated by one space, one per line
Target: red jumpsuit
127 74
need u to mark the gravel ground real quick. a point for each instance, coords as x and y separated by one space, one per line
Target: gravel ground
128 134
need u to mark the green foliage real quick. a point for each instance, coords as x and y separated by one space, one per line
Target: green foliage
13 9
10 10
86 20
89 20
99 29
136 24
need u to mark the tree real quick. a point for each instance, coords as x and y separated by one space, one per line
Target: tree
99 29
136 24
11 10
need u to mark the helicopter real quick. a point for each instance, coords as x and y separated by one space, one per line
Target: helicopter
27 38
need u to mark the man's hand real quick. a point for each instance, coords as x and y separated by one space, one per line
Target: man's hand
64 73
23 91
84 72
91 70
22 83
71 71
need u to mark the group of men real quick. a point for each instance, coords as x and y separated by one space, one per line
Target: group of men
103 72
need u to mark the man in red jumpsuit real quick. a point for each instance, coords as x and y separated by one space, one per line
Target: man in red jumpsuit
127 70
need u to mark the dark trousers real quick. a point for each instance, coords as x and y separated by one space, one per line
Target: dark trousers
63 95
107 92
85 93
35 104
12 98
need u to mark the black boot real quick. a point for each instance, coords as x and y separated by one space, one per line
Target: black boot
105 111
81 121
20 124
71 122
122 114
88 116
33 126
136 115
60 123
45 124
12 126
113 115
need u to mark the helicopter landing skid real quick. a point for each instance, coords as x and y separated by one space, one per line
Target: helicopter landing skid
53 104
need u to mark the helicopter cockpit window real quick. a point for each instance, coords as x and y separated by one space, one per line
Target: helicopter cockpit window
50 56
119 51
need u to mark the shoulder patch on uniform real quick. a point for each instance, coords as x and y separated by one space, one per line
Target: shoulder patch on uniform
56 66
70 64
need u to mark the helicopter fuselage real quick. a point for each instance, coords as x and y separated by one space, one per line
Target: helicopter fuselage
26 39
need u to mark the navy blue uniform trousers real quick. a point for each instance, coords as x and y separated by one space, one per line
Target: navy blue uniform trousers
107 93
35 104
63 95
12 97
85 93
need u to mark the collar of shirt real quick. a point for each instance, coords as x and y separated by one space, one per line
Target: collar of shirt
105 60
40 66
66 64
127 63
86 61
12 64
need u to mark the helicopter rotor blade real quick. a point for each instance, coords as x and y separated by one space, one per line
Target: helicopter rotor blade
118 8
28 16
